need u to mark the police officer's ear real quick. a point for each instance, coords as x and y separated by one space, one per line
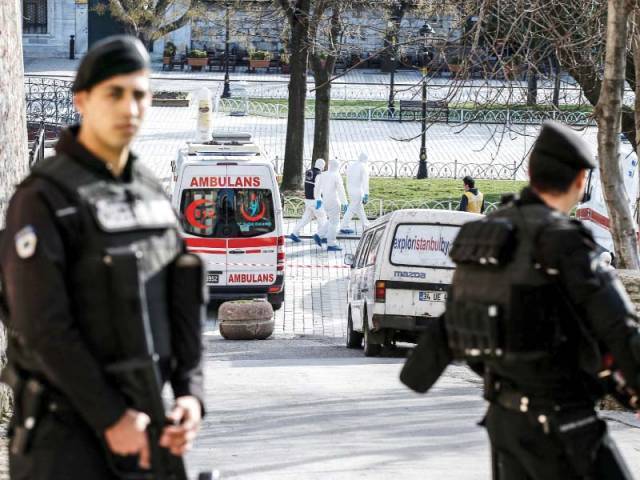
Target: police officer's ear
80 101
580 182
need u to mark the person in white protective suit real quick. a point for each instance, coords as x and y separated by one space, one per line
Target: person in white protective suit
329 191
310 210
358 188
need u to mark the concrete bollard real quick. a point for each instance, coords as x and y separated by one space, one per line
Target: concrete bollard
246 319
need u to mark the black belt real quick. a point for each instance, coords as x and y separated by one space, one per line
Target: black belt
519 402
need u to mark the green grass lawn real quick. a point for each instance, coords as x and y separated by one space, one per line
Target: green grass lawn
408 189
467 105
411 190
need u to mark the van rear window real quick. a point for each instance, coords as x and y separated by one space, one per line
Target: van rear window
423 245
227 212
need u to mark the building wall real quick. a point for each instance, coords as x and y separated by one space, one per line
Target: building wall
65 18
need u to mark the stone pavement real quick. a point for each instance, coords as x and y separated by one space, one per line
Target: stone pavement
308 408
356 84
167 129
316 284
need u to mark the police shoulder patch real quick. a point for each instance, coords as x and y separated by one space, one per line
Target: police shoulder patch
26 242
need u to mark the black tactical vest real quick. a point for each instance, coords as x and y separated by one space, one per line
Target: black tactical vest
105 216
503 307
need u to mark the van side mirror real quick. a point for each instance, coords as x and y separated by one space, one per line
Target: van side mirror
349 259
587 191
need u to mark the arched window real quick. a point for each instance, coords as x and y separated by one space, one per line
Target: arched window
34 16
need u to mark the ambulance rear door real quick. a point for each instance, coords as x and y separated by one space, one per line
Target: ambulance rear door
253 239
199 201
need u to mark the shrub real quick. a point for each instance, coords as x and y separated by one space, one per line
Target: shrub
259 55
197 54
169 49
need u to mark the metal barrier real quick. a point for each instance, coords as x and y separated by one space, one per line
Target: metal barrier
49 101
442 170
455 115
293 207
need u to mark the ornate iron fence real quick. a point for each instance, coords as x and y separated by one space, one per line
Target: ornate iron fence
294 206
455 169
49 101
455 115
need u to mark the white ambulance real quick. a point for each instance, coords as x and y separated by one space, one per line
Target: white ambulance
400 276
227 193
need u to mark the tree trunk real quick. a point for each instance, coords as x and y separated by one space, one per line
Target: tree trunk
635 47
532 86
322 114
608 114
13 127
557 72
294 143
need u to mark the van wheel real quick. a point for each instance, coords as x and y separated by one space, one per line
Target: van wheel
354 339
276 306
370 349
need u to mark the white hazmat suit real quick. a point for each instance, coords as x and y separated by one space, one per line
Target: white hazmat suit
329 190
358 187
310 210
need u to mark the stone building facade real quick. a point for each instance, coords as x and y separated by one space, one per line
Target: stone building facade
47 26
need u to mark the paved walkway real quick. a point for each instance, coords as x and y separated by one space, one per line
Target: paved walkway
472 146
368 84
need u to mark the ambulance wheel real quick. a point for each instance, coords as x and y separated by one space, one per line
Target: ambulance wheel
354 339
205 476
370 349
276 306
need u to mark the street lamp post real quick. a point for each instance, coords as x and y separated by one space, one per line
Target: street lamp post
423 171
226 92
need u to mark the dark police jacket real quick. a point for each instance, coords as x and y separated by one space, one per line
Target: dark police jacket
57 293
555 307
310 182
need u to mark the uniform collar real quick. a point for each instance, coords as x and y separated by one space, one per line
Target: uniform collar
528 197
69 145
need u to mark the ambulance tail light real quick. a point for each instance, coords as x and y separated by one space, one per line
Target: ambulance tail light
280 255
381 292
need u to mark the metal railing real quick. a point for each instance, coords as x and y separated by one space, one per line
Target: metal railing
455 115
293 207
49 101
441 170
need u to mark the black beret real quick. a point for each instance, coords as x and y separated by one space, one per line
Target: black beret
111 56
559 143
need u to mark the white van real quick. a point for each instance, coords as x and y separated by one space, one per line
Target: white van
400 275
229 200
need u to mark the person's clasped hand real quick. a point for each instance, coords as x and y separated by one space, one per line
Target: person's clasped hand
185 417
128 436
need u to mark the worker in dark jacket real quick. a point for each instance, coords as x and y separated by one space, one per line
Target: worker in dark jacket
64 225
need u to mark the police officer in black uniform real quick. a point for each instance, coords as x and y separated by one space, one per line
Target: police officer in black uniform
532 310
76 209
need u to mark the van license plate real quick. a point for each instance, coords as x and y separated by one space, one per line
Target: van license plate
213 278
432 296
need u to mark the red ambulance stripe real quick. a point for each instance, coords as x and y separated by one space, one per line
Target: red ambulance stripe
252 242
593 216
207 242
208 252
